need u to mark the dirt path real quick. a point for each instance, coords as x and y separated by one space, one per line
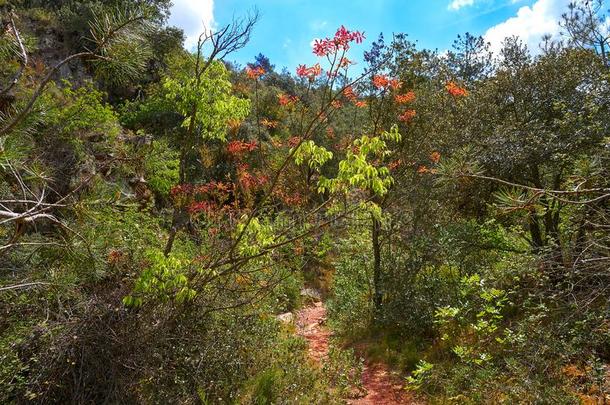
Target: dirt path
310 325
382 387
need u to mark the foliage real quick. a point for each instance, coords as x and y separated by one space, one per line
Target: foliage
210 96
161 168
344 371
356 171
164 279
349 308
81 110
315 156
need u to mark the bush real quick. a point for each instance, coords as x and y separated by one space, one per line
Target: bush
350 307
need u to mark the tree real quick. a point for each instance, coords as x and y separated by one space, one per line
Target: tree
263 62
197 96
470 60
587 27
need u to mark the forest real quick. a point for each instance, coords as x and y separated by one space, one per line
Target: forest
420 227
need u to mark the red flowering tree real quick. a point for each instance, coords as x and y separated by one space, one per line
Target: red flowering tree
290 165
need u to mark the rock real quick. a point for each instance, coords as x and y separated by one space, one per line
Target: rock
288 317
311 326
311 293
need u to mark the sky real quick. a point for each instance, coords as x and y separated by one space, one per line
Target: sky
287 27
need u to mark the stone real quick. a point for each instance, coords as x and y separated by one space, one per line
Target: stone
288 317
311 293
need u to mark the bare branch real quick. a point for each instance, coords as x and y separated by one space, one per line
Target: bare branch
25 285
24 58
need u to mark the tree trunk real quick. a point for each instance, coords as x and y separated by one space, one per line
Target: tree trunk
535 232
180 218
378 293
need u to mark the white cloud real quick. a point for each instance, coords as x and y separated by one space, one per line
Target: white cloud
193 16
458 4
530 24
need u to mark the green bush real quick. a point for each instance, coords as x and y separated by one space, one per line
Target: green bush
350 307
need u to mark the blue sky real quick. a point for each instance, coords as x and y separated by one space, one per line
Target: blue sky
287 27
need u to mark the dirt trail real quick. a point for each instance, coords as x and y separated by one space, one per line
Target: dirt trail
382 386
310 325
